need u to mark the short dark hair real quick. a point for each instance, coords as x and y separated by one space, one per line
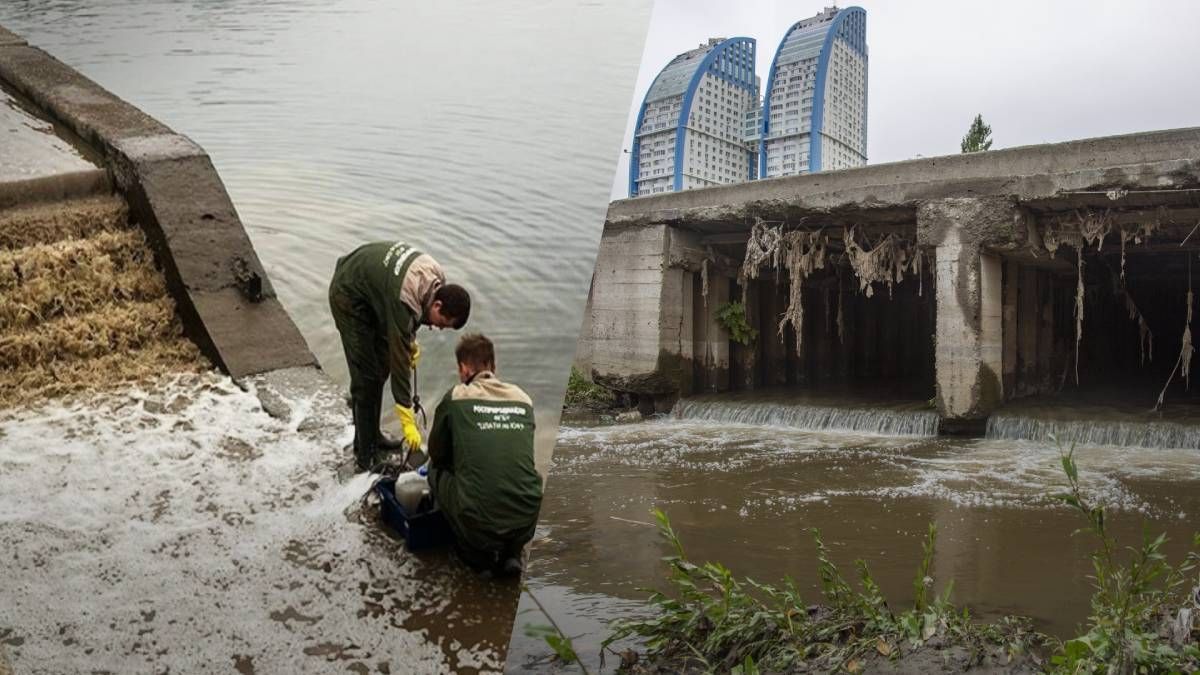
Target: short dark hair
456 303
476 350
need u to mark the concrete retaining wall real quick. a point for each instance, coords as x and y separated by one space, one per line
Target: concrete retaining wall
224 295
978 217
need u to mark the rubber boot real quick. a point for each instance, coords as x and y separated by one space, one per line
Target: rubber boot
510 562
366 434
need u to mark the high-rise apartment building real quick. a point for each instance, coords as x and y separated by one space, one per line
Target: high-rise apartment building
690 130
815 105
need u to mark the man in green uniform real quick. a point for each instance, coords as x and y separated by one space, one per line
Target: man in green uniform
381 293
482 473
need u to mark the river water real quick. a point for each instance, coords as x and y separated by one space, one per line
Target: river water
485 132
743 478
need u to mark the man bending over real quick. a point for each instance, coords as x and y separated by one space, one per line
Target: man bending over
381 293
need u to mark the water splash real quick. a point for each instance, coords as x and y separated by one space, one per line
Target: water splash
884 421
1119 433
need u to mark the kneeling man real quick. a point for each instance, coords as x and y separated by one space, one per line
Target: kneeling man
482 473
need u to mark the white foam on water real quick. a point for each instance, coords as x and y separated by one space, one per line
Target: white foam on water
1140 433
179 526
884 420
823 466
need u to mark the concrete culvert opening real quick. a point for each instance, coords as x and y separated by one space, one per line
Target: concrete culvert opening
1120 373
833 322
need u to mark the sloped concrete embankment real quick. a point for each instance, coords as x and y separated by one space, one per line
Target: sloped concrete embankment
225 300
92 278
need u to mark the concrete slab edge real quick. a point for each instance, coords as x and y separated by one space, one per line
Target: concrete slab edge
176 196
59 187
10 39
1037 171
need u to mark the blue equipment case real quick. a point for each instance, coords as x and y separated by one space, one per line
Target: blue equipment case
425 529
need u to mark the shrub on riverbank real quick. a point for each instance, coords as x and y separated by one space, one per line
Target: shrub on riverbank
1145 611
1145 618
715 622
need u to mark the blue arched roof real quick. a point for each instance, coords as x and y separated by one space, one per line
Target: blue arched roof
670 81
854 33
856 39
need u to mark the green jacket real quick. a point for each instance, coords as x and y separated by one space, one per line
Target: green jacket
481 450
398 283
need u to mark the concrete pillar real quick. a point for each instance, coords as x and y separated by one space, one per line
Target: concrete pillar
1012 274
640 338
583 346
890 334
969 349
774 350
748 355
843 346
1047 379
867 325
1028 300
678 306
991 334
716 338
823 335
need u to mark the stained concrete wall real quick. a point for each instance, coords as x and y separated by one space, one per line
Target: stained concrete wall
178 199
998 322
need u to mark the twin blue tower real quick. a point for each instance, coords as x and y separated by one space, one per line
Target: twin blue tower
702 123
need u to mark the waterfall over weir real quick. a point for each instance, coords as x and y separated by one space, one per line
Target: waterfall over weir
886 421
1109 432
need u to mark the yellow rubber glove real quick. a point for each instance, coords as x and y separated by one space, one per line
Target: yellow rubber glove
408 425
416 353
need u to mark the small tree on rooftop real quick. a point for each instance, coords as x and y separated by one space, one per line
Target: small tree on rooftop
978 137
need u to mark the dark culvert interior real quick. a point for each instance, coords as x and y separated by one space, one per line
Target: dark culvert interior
846 356
1135 297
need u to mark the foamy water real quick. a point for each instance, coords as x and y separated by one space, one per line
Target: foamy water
180 527
978 472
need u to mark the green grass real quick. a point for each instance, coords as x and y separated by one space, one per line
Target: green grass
582 393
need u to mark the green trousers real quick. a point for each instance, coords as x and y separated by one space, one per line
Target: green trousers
476 545
364 342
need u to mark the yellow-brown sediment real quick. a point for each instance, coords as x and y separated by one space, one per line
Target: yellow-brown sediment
82 305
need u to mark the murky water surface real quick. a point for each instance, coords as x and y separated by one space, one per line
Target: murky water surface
485 132
743 486
181 528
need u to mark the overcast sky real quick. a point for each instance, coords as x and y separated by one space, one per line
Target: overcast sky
1038 71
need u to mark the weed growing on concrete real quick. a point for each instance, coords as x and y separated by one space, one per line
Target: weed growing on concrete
712 621
1144 610
583 393
732 317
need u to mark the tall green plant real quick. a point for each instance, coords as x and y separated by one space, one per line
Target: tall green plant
713 621
1130 601
732 317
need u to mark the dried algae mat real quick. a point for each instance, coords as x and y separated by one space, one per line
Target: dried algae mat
82 304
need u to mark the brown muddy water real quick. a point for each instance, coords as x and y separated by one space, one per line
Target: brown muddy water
744 478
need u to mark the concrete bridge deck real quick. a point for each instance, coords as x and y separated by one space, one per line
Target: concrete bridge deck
997 324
